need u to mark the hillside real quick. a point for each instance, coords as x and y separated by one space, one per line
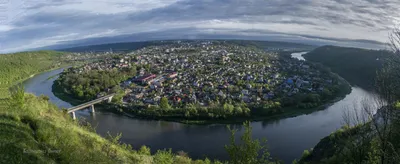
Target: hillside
35 131
19 66
357 66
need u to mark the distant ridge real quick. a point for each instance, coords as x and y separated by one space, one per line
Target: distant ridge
130 46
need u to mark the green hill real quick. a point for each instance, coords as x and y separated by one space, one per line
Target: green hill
19 66
357 66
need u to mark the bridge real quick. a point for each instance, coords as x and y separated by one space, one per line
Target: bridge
89 104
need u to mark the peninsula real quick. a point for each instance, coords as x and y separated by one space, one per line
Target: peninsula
204 80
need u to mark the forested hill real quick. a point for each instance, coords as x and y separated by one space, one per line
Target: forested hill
19 66
357 66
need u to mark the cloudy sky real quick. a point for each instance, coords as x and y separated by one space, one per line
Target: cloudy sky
27 24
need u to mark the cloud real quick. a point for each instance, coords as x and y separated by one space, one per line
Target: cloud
26 24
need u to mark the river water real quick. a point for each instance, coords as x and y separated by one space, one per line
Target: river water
287 138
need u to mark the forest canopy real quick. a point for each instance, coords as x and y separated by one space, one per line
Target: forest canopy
18 66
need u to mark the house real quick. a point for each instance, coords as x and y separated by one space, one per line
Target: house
306 66
176 99
153 86
127 90
248 86
246 99
196 84
157 99
148 101
157 83
299 83
172 75
127 83
141 72
271 95
245 91
193 98
144 79
220 93
289 81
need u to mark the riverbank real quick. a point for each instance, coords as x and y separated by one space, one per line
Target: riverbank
288 112
59 93
6 90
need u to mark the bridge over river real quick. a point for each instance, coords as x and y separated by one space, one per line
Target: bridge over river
89 104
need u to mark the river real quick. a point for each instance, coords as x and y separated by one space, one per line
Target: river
287 138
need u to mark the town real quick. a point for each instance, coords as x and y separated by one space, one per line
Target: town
207 71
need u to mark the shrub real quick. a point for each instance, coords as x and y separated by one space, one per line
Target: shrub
248 151
164 157
182 154
144 150
306 154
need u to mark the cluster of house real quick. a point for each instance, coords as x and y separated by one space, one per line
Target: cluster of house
84 56
108 63
208 71
200 72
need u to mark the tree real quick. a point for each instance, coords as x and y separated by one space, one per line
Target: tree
326 93
119 94
238 110
133 70
228 108
164 103
17 99
250 151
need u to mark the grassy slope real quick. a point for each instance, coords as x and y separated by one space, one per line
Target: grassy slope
19 66
331 149
28 133
357 66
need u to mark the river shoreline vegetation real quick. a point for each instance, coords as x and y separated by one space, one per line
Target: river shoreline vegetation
86 83
186 118
20 66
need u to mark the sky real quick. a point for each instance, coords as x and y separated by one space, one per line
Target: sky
28 24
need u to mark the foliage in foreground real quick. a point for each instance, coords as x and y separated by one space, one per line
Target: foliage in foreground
250 151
